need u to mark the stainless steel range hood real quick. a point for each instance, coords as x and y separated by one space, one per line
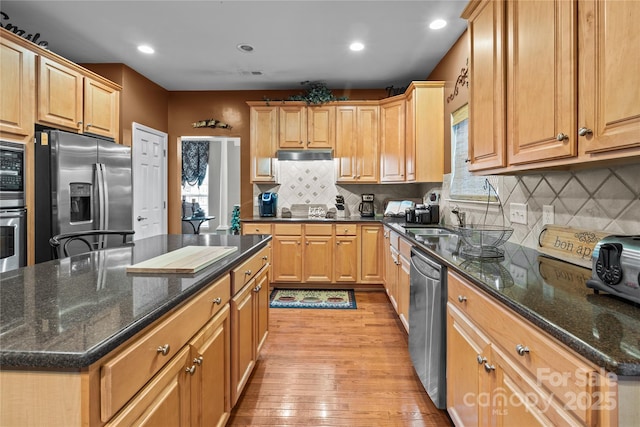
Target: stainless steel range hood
301 155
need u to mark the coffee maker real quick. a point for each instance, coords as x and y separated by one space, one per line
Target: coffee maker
366 206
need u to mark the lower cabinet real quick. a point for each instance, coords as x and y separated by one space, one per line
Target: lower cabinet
371 267
397 256
345 255
502 370
390 255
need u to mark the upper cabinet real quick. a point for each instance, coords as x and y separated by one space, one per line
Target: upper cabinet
69 98
263 135
570 96
303 126
356 155
17 85
392 139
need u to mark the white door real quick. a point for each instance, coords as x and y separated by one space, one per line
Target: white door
149 181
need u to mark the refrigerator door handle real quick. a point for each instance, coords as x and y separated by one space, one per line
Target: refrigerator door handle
102 206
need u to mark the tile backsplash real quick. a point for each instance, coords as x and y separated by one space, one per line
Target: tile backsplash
597 199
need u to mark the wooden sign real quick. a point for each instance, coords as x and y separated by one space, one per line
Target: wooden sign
189 259
570 244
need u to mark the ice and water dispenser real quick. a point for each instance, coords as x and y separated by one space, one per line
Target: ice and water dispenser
80 200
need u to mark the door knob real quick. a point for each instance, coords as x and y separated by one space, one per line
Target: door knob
140 218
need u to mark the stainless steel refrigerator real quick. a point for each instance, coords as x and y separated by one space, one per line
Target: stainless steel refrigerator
81 183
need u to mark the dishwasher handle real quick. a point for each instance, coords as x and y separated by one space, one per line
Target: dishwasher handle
425 265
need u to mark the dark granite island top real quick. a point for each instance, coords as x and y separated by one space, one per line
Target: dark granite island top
69 313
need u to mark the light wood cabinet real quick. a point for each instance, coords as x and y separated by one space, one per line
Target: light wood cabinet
392 140
345 255
255 228
356 154
17 90
371 267
263 135
502 370
397 254
404 282
72 100
287 253
564 63
303 126
390 255
318 253
424 141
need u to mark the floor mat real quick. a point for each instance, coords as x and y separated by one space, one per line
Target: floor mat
313 298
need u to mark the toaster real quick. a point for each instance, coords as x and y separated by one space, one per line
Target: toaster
616 267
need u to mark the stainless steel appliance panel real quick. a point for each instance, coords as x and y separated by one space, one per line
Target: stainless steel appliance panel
118 191
13 239
12 176
427 325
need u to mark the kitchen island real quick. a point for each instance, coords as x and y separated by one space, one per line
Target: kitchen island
66 322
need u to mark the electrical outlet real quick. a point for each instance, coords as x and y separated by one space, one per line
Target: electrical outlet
518 213
547 214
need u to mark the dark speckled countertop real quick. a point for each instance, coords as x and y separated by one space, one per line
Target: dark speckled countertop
69 313
552 295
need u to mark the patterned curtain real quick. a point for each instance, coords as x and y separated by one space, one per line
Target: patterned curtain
195 158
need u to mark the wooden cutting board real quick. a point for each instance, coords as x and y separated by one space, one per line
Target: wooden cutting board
573 245
189 259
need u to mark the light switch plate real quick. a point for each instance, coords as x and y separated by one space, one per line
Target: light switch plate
518 213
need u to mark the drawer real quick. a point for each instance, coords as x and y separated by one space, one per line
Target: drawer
550 364
125 374
346 229
318 229
287 229
394 239
405 248
243 273
256 228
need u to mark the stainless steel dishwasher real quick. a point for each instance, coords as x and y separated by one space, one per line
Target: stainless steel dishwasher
427 324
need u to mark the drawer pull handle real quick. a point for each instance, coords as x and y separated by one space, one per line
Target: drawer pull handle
191 370
164 349
198 360
247 273
488 367
217 301
257 229
462 298
257 288
480 359
522 349
264 258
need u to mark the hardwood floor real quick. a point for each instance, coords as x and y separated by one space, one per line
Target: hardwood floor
336 368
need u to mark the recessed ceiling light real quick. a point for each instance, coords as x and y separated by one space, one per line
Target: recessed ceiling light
146 49
437 24
243 47
356 46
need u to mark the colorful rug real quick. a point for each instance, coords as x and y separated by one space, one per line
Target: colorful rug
313 298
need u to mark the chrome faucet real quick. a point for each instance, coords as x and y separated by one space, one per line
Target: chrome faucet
460 215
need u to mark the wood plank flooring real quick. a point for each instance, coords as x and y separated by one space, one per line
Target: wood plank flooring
336 368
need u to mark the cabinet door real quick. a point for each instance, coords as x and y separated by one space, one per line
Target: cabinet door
60 93
242 339
410 138
292 126
263 136
211 382
164 401
371 269
392 141
261 300
346 146
609 81
541 76
487 85
321 127
467 351
346 259
318 259
17 89
367 144
287 258
101 109
404 291
390 269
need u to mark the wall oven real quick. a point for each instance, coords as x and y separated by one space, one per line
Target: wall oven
13 232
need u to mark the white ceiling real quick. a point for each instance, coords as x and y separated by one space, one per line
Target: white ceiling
294 41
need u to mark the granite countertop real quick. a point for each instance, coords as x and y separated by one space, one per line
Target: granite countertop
376 218
69 313
552 295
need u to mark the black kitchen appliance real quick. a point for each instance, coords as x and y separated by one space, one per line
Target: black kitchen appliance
366 206
423 214
616 267
268 204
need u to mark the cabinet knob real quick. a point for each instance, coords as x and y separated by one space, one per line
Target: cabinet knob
522 350
247 273
257 288
467 160
307 243
462 298
583 131
337 243
217 301
301 142
79 123
198 360
264 258
257 229
164 349
89 124
562 136
488 367
480 359
191 370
